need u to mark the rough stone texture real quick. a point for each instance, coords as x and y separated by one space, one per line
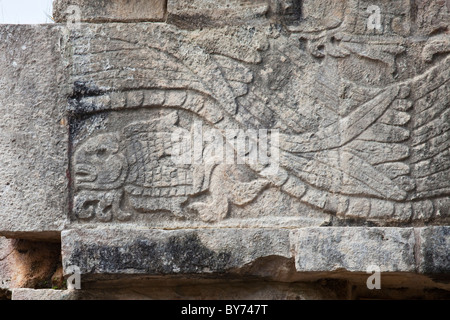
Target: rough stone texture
203 251
404 286
199 13
354 249
44 294
362 154
158 252
374 153
33 132
434 250
352 97
109 10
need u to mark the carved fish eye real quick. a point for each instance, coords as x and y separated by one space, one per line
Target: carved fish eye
82 174
101 152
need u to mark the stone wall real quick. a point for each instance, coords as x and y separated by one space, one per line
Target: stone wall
196 149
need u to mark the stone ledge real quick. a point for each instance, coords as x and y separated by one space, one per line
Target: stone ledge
158 252
353 249
325 250
421 250
44 294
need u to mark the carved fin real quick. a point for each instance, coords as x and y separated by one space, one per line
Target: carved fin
244 193
351 126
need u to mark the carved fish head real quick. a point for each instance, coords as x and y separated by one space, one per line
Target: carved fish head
99 164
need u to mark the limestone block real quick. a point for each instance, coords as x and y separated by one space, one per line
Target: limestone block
433 250
33 132
122 252
109 10
43 294
353 249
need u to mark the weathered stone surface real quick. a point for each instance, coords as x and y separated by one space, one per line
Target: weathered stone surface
433 250
348 249
214 13
292 13
359 155
33 132
158 252
240 138
354 249
109 10
44 294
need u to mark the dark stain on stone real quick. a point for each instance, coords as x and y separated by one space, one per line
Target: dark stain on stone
83 90
192 22
294 11
179 254
77 123
436 259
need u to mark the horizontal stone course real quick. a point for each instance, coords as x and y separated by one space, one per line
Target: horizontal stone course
321 249
115 251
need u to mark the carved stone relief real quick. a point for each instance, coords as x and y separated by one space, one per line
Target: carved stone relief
363 133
